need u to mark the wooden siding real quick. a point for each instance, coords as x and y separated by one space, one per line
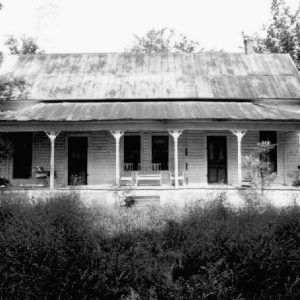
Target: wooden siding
101 155
291 154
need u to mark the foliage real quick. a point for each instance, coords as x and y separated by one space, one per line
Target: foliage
282 35
258 167
12 87
59 249
164 40
26 45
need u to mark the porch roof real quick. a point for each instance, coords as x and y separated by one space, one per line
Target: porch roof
180 110
127 76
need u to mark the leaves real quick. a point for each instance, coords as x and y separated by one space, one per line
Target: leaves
12 87
162 41
258 166
282 35
26 45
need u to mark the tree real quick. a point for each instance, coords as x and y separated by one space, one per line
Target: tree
282 35
26 45
163 40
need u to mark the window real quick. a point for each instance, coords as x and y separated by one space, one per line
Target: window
22 155
132 150
270 136
160 151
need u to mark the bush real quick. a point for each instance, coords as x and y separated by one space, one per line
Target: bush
62 249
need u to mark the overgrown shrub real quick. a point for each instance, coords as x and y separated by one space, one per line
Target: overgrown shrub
61 249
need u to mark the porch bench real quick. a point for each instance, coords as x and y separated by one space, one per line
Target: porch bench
127 179
148 177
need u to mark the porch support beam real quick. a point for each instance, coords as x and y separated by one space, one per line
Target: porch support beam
175 134
52 135
117 134
239 134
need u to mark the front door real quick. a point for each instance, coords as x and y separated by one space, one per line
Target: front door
77 160
217 159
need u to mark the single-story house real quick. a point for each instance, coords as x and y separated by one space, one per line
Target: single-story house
171 120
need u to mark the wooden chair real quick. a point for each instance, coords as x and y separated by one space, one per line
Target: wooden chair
128 167
156 167
127 176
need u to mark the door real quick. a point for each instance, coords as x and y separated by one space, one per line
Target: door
217 159
77 160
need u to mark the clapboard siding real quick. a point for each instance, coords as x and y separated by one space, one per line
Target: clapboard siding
291 157
101 155
101 159
196 145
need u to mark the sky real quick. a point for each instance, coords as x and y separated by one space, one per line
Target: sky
69 26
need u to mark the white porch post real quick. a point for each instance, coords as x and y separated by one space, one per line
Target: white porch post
239 134
117 135
52 136
175 134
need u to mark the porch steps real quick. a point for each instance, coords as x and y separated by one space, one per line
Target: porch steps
145 201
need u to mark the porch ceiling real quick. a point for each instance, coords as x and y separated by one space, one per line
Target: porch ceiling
111 111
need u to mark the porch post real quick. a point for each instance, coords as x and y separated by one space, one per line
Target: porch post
239 134
52 136
175 134
117 135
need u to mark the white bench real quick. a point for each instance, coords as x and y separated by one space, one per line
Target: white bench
148 177
127 179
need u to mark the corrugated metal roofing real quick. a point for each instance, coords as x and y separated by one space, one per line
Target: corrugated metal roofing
123 76
191 110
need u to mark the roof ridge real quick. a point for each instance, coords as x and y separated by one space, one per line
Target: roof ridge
144 53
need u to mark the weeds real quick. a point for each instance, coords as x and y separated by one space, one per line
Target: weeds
62 249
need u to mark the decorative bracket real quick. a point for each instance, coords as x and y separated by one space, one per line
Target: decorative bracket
52 135
175 133
117 134
239 133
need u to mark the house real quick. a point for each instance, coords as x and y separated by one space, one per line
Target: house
173 121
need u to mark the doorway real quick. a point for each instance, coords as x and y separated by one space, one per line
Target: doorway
217 159
77 160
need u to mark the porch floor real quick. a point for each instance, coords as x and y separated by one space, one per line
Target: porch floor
204 186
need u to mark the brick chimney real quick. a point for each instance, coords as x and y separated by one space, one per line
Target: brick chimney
249 46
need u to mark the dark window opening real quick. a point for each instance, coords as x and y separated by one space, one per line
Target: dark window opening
160 151
132 150
22 155
271 157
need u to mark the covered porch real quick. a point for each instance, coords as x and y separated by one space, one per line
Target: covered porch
144 159
170 144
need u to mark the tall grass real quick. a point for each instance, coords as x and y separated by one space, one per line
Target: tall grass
61 249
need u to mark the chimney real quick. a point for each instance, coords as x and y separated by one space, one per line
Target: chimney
249 46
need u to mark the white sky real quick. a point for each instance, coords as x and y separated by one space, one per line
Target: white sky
108 25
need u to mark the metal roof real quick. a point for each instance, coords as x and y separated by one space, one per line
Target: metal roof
181 110
122 76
